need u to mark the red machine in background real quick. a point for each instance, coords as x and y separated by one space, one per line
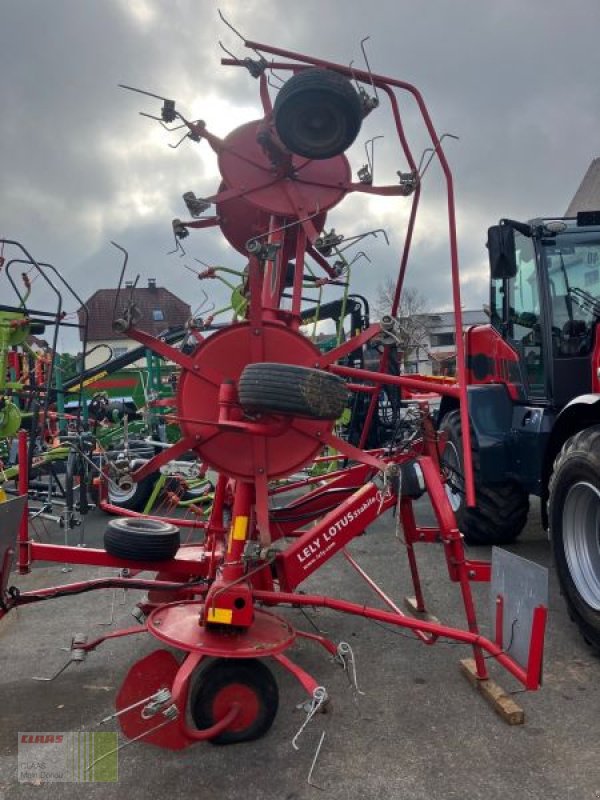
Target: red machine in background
256 402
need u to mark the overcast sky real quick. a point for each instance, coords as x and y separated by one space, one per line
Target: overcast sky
516 80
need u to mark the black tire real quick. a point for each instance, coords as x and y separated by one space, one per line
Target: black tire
502 508
141 539
286 389
224 680
574 516
317 113
133 499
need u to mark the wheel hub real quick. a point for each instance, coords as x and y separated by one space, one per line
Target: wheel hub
581 537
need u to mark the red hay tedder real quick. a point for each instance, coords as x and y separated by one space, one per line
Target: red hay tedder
256 402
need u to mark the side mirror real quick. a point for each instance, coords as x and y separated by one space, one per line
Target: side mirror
501 250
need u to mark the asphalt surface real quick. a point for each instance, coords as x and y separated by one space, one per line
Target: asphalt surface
420 731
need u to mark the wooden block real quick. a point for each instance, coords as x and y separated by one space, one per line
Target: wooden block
502 703
410 604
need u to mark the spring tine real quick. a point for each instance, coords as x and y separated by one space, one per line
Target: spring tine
111 619
364 52
314 761
318 698
56 674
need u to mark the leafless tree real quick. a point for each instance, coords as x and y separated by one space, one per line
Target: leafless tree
413 318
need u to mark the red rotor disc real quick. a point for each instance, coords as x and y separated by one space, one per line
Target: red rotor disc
226 353
315 187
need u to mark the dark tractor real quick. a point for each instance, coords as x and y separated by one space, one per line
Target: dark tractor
534 401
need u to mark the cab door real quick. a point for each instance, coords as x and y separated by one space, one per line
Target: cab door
520 317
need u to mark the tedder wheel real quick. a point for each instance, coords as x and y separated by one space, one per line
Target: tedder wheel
134 497
286 389
246 681
141 539
317 113
501 511
574 515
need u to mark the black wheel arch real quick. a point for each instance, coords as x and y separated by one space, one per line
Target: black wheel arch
580 413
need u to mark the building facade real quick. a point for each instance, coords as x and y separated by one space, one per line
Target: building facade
160 311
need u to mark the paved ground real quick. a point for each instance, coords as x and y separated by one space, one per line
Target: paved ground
420 732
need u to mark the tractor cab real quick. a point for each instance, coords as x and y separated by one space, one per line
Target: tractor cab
544 304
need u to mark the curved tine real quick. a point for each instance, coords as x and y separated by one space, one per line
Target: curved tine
364 52
142 91
239 35
229 53
275 75
121 276
354 75
178 249
183 138
358 256
371 160
284 227
198 310
422 159
166 127
433 151
385 236
230 26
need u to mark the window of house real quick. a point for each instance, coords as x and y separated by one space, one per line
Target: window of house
158 315
442 339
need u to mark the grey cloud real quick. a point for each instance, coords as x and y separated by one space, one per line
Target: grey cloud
517 82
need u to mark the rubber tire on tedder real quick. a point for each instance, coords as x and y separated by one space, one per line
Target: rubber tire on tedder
291 390
317 113
574 515
226 680
501 511
141 539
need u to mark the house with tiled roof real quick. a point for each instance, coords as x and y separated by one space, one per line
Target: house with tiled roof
160 310
587 196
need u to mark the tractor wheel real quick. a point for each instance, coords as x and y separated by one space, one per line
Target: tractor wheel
141 539
317 113
297 391
574 515
501 511
246 681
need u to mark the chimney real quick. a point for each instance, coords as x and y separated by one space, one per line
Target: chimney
152 283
